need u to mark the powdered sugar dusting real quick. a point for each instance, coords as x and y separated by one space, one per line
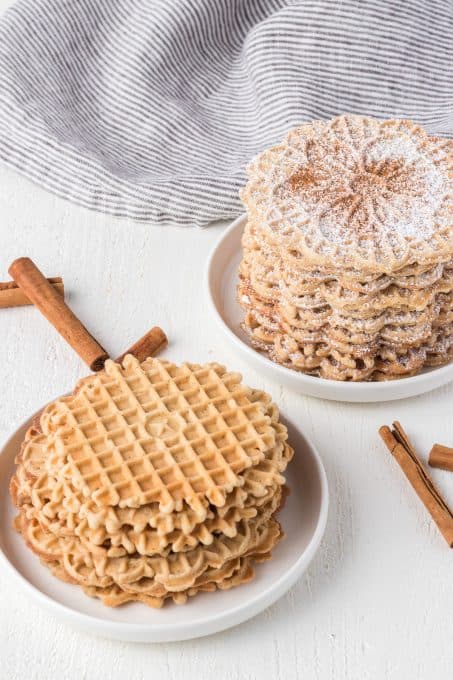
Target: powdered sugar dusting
366 187
357 192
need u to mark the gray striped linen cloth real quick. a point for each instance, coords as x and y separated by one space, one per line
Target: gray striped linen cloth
151 108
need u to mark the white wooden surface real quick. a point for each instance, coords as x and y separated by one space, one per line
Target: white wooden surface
377 602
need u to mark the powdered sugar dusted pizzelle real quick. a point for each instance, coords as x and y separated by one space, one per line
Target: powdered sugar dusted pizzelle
356 192
347 267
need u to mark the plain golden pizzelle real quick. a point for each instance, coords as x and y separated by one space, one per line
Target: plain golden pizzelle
153 481
347 268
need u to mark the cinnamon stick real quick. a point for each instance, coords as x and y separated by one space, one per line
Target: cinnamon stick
402 450
441 457
52 305
12 296
151 343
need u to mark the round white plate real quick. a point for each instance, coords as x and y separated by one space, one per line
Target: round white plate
303 519
221 283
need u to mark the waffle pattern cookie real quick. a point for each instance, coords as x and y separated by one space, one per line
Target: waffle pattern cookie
153 482
347 268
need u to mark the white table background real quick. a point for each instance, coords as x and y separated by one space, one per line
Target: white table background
376 603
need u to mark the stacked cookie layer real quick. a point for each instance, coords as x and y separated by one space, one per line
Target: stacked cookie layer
153 481
347 269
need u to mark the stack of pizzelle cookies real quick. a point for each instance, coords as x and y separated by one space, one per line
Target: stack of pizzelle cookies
153 481
347 269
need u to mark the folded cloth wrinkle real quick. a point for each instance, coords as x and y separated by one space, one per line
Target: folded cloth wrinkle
152 109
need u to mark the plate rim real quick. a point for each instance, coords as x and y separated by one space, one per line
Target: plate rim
170 632
365 388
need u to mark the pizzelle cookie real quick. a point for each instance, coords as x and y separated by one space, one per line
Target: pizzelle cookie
348 250
153 482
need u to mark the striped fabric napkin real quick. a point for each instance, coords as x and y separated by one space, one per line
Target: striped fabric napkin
152 108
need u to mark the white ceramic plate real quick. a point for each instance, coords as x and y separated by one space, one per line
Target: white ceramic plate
221 283
303 519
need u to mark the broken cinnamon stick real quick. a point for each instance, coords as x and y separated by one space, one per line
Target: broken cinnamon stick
12 296
151 343
441 457
402 450
52 305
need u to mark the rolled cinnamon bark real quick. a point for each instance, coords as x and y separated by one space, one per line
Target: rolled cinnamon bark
402 450
151 343
52 305
12 296
441 457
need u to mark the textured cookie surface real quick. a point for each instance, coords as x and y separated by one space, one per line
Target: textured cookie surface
356 191
153 482
347 268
